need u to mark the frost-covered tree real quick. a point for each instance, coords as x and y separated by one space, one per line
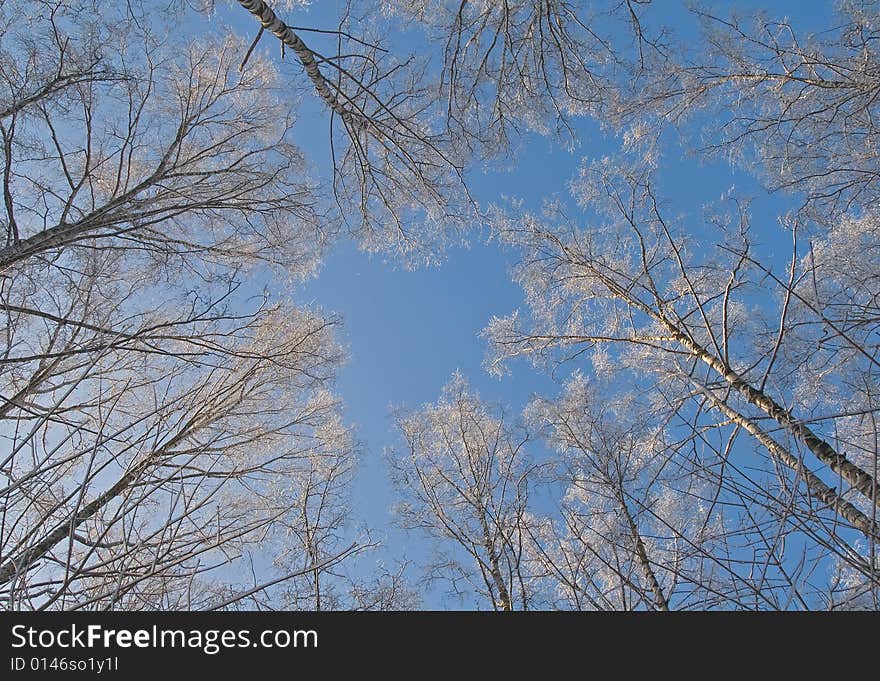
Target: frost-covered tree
464 482
165 423
800 105
397 175
689 321
150 403
612 471
640 525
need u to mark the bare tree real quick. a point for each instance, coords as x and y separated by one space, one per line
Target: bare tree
171 431
397 178
611 489
464 482
151 403
640 293
802 105
510 68
641 525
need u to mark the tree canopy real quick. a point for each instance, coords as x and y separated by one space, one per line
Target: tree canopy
171 432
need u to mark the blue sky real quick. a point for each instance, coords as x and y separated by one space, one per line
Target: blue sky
406 332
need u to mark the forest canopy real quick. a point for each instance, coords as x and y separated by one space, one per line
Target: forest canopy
173 431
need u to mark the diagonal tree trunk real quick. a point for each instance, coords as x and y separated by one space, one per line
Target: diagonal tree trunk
660 601
817 488
855 476
270 22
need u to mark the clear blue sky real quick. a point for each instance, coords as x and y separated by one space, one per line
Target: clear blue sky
406 332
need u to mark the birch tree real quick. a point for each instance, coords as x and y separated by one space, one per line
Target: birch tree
464 483
643 525
691 322
150 402
610 491
799 105
165 420
396 177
